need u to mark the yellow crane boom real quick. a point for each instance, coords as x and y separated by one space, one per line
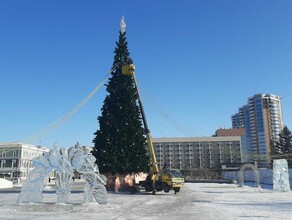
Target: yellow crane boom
129 70
155 181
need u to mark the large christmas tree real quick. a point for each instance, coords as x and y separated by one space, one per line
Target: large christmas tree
120 143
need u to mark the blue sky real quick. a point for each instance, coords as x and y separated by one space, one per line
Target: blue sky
196 63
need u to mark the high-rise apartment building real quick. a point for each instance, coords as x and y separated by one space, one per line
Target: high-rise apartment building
262 120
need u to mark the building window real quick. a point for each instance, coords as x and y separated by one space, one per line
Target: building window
3 162
13 163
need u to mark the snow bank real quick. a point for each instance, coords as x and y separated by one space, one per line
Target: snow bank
5 183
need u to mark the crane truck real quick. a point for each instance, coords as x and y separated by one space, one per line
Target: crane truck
168 179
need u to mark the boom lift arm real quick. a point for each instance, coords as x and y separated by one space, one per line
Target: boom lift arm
130 70
155 181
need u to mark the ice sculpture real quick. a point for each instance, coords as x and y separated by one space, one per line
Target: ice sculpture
281 176
64 176
83 161
241 174
64 162
32 188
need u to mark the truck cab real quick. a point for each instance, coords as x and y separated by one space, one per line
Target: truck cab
172 179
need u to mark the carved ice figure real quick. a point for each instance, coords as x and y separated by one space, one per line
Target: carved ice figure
32 188
281 176
83 161
64 162
241 174
64 176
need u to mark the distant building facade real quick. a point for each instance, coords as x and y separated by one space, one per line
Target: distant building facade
229 132
236 132
262 120
16 159
196 153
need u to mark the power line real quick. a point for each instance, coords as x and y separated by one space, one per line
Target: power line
179 126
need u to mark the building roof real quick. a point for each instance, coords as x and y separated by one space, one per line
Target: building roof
19 144
230 132
196 139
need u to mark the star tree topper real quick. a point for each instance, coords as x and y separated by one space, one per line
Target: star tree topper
123 25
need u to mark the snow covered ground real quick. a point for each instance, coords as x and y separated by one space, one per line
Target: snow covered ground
195 201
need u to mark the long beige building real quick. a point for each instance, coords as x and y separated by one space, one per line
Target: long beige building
16 159
198 152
